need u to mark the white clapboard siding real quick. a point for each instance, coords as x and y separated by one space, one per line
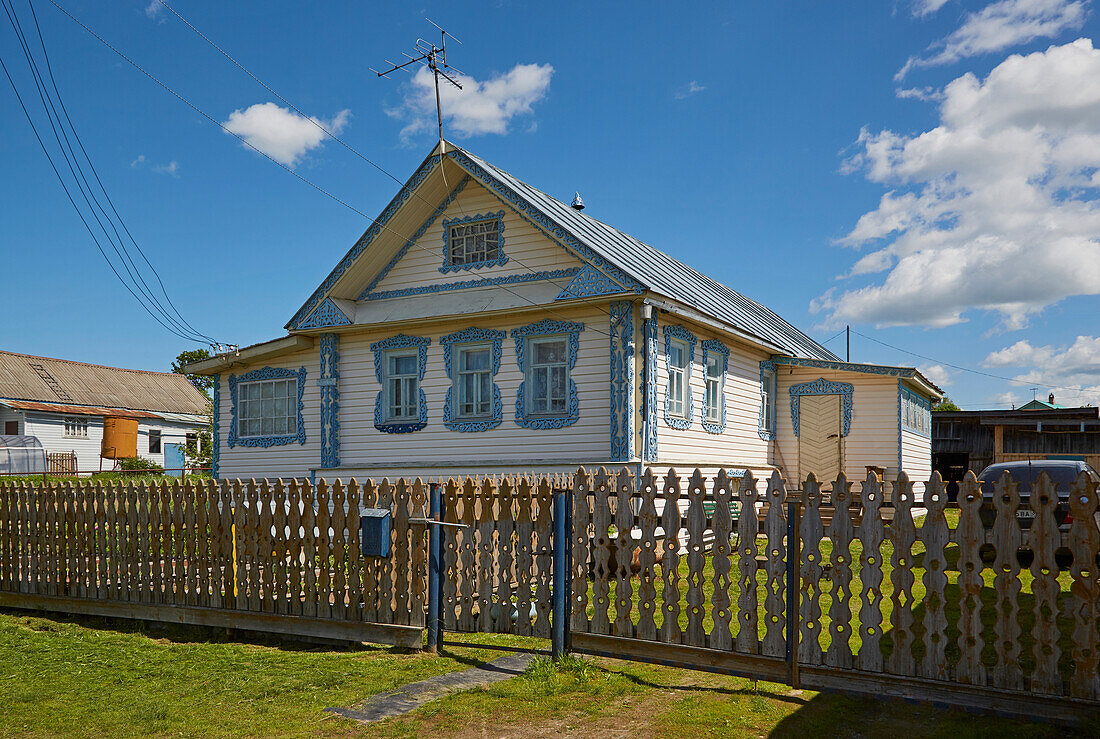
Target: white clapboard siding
49 429
287 460
740 444
916 459
873 435
589 438
528 249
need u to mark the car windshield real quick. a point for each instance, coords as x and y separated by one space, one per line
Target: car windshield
1063 476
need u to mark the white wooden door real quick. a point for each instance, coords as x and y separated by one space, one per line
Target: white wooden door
819 437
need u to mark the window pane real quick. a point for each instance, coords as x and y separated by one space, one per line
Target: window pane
476 359
549 351
268 425
714 367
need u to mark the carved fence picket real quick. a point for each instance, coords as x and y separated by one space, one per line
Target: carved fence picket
871 535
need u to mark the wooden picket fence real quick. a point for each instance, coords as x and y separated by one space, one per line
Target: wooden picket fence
273 556
930 605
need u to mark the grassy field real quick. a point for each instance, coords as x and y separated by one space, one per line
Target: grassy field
93 678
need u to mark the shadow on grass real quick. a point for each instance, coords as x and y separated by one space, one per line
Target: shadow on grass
190 634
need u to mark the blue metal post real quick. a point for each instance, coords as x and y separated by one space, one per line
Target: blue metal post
435 569
561 577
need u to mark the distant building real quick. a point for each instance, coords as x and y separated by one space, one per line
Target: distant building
63 404
972 440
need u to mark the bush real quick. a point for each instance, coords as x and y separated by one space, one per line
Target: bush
139 464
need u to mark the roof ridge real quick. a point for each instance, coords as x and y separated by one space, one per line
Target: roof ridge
89 364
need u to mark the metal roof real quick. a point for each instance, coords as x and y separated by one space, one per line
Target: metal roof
660 272
26 377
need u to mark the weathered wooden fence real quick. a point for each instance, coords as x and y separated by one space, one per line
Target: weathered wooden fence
930 605
61 463
273 556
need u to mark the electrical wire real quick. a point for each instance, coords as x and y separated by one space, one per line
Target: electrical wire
47 104
324 129
282 166
967 369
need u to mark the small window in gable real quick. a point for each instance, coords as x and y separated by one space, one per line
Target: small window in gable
474 241
76 427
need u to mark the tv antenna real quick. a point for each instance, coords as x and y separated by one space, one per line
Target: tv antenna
434 58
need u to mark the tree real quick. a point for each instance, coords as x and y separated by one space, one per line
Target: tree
946 405
202 382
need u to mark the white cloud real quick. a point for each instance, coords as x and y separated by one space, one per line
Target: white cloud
922 8
1007 400
1071 372
138 162
997 208
152 10
281 133
937 373
172 168
689 89
479 107
926 93
1000 25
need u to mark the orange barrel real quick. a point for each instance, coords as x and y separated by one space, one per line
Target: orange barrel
119 438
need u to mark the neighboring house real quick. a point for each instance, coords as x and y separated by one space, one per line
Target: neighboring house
482 326
973 440
1040 405
63 404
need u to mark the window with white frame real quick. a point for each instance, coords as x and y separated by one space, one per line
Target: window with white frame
402 386
267 408
474 243
677 374
547 378
474 381
767 400
76 427
714 394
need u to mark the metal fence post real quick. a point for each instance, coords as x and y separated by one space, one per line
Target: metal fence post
435 569
560 597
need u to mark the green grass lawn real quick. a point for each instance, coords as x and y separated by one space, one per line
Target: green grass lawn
91 678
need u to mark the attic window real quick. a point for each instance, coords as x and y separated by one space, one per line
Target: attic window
473 241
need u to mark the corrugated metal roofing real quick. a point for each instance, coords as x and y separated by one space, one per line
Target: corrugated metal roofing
662 273
76 410
26 377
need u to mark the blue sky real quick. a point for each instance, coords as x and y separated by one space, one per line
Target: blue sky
925 171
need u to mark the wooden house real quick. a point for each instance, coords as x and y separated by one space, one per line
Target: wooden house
64 403
481 326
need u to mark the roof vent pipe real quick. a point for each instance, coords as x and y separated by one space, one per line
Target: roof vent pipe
1052 398
577 203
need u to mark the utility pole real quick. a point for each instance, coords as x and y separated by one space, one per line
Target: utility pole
848 343
430 56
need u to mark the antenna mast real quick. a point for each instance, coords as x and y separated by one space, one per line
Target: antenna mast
433 57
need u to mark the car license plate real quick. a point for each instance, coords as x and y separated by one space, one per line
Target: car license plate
1025 514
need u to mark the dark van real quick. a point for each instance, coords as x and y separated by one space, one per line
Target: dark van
1063 473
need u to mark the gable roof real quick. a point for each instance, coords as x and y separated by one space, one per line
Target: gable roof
1039 405
623 256
47 380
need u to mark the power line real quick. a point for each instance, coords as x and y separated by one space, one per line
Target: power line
47 105
966 369
324 129
316 187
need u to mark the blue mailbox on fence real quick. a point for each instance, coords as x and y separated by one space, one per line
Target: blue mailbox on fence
374 532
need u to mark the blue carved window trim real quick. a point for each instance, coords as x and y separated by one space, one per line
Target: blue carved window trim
215 424
769 384
923 407
621 338
400 341
712 346
265 373
821 386
459 339
501 257
681 333
544 329
329 357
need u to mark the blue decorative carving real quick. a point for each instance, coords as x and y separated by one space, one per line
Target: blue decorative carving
547 327
821 386
400 341
502 258
540 220
712 346
589 283
330 400
481 282
470 336
923 411
415 237
765 367
872 369
327 315
679 332
265 373
215 423
621 324
649 331
371 233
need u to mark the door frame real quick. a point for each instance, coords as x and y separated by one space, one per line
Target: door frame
821 386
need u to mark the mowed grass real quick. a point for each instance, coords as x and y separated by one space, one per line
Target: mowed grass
920 600
93 678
